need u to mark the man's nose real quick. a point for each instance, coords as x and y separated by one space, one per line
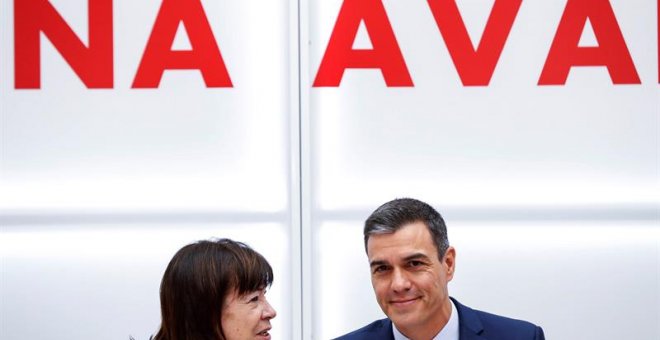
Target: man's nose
400 281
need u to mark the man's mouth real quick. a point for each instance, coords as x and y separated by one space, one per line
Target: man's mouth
404 302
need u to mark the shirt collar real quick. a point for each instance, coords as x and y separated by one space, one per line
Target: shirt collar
449 332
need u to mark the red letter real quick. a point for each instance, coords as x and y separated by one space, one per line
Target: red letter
204 55
475 67
611 51
92 64
385 54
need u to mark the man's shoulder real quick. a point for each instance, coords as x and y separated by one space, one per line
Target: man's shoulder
379 329
493 320
497 326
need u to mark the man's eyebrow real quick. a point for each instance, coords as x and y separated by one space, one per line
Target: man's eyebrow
416 256
376 263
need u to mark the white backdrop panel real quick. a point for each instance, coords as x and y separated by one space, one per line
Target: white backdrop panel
102 282
99 187
181 146
509 143
578 280
564 180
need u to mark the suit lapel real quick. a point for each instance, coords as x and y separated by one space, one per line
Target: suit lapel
384 332
470 326
469 323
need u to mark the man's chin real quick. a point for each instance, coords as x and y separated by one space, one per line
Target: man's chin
405 324
404 319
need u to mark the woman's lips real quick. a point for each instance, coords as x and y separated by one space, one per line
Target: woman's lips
264 334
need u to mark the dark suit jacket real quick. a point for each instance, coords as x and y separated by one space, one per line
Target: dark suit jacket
473 325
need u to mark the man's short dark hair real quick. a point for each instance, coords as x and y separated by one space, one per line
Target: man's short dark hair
393 215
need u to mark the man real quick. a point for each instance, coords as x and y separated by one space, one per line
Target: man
411 263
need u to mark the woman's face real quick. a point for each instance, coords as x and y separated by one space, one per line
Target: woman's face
247 316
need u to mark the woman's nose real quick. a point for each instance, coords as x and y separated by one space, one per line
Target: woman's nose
269 312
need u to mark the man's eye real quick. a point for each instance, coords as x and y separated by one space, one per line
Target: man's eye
255 298
415 263
380 269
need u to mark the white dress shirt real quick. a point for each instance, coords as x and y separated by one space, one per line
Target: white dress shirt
449 332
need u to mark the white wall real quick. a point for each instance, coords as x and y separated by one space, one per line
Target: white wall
551 193
100 187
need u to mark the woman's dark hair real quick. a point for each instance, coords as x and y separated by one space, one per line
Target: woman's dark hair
196 282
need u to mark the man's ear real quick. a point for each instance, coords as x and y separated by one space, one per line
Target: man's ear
449 262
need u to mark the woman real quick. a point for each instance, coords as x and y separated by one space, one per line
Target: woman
215 290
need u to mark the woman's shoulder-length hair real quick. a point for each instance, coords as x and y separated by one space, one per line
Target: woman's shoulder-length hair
199 278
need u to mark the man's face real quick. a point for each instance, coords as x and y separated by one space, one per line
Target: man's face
409 280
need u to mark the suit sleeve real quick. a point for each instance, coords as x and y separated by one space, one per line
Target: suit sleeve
539 334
